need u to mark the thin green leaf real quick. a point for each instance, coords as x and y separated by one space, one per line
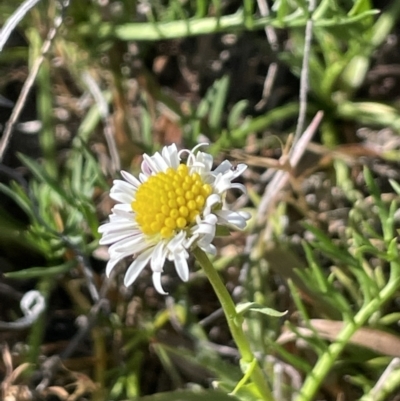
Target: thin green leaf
236 114
42 176
255 307
41 272
219 97
22 203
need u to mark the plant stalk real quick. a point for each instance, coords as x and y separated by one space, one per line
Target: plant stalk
234 323
324 365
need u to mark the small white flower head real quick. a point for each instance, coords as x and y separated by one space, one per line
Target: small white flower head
172 208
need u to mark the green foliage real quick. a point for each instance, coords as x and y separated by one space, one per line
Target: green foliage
253 306
352 280
61 212
355 289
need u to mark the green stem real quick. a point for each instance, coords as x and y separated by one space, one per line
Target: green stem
329 357
234 323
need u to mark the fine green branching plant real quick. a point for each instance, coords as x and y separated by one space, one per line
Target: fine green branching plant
352 292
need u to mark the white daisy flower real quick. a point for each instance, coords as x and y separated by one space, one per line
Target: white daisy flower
172 208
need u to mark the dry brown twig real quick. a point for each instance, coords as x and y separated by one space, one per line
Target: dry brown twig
281 177
10 391
304 79
105 115
273 67
54 363
5 140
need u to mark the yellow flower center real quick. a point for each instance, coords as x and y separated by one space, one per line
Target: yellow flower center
170 201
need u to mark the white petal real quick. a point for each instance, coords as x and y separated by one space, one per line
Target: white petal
240 187
191 240
200 145
120 214
160 161
153 163
124 207
222 183
146 172
223 167
123 186
137 266
233 218
212 200
206 230
112 237
128 244
206 234
210 219
176 242
245 215
104 227
131 179
181 266
136 251
158 257
111 264
157 283
209 248
121 197
205 240
119 225
239 170
170 155
203 161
